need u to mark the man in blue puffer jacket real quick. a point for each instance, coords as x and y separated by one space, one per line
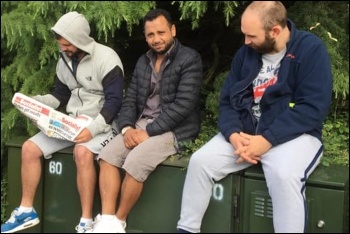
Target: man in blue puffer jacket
272 107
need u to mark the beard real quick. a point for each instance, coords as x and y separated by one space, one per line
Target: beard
72 54
168 45
266 47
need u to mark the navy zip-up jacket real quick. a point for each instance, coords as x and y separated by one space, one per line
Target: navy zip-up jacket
298 103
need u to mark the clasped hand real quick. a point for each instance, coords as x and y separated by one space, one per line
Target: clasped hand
133 137
249 148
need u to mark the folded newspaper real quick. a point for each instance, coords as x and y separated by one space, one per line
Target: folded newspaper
50 121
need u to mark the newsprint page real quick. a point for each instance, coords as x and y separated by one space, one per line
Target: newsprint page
50 121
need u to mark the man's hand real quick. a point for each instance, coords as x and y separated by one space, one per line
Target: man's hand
238 143
256 146
133 137
84 136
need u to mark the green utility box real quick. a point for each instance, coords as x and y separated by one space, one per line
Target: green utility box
327 194
61 206
14 192
57 200
158 209
239 203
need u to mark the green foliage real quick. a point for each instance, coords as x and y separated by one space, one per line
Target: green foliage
208 130
109 16
3 198
329 21
212 101
336 140
195 10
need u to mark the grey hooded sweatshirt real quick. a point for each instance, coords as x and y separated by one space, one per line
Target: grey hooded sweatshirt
96 89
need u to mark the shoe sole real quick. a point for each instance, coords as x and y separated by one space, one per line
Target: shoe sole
26 225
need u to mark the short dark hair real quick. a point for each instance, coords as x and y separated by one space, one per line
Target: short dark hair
154 13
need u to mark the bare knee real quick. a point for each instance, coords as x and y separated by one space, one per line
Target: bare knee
82 156
30 150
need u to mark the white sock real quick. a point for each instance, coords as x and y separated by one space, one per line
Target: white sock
123 222
23 209
107 216
86 221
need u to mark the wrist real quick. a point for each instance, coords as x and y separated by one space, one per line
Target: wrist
125 129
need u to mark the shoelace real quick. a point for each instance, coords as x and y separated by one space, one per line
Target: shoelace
12 219
83 229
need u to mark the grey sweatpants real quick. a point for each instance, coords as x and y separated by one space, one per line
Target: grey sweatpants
286 168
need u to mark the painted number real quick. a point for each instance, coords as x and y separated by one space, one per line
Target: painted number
218 192
55 168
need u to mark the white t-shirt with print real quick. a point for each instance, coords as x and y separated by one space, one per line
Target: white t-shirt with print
267 76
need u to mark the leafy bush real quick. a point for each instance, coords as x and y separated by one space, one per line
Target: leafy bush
3 198
336 140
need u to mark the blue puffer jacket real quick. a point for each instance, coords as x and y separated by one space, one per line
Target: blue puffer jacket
179 94
298 103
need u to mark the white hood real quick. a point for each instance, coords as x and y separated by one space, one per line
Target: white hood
76 29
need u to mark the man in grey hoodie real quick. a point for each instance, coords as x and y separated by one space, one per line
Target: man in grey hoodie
89 81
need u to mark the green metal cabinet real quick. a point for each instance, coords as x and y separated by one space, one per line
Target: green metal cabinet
61 200
158 208
61 207
327 194
57 200
14 192
221 214
239 203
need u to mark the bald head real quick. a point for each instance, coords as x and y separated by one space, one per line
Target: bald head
267 14
264 25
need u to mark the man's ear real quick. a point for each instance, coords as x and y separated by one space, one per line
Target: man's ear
173 30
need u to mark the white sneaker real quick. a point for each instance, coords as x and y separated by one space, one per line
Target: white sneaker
105 225
83 228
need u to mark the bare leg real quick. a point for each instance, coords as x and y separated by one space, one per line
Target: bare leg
109 187
30 172
131 191
86 179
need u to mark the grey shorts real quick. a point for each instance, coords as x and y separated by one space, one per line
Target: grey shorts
140 161
50 145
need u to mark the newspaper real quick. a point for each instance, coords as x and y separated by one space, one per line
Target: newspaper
50 121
